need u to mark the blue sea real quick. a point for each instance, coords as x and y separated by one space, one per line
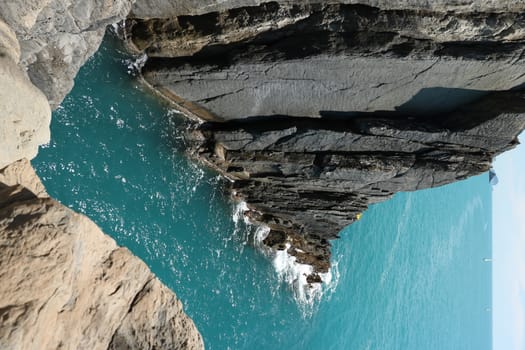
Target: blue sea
409 275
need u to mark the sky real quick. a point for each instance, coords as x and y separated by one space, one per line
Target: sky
508 267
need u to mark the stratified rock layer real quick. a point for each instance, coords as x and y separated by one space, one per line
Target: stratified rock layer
307 178
67 285
307 60
315 110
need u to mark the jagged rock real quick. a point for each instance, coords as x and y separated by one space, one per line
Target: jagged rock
296 59
308 178
58 36
67 285
284 87
24 114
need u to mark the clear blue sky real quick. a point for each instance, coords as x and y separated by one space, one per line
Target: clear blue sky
508 267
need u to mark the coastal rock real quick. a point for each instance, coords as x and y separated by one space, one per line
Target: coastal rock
315 110
308 178
57 37
25 112
67 285
307 60
168 8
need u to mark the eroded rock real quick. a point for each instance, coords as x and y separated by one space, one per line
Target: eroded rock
310 59
57 37
24 111
67 285
315 110
308 178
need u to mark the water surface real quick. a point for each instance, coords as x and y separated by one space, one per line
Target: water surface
410 274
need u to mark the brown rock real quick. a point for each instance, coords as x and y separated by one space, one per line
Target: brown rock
67 285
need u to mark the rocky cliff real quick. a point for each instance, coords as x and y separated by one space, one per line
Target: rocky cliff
66 285
308 178
58 36
63 283
315 110
25 111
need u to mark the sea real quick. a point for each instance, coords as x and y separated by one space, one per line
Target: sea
413 274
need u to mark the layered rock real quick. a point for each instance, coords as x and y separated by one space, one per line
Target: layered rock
67 285
309 178
166 8
317 110
305 60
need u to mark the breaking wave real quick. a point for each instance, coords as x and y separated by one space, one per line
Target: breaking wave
289 272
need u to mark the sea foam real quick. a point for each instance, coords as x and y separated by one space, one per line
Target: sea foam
289 272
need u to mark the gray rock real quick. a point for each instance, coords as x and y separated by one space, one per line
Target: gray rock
170 8
310 60
317 110
309 178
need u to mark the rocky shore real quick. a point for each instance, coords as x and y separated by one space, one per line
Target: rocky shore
65 284
315 110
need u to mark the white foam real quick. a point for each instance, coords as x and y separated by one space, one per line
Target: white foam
294 274
289 271
136 65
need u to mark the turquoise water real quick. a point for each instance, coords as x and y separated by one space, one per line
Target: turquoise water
409 275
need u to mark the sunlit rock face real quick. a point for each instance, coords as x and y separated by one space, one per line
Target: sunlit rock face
57 37
67 285
317 110
24 111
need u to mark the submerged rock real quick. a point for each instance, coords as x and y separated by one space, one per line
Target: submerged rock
67 285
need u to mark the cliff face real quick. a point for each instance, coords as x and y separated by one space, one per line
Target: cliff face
309 178
25 113
317 110
43 44
310 60
67 285
58 36
63 283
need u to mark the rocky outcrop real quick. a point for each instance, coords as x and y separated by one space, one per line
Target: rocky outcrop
67 285
57 37
309 60
24 112
309 178
315 110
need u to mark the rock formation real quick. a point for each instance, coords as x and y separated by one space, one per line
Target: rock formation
309 178
67 285
57 37
309 60
63 283
313 109
25 112
316 110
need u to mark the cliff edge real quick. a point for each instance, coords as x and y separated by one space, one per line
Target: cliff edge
67 285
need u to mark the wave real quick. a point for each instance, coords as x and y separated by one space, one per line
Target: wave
288 271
